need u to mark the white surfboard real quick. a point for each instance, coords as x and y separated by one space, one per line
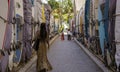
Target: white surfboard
117 34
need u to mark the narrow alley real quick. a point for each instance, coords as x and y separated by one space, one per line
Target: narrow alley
67 56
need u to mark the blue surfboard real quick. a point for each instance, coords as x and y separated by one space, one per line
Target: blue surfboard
18 51
87 10
18 12
101 28
106 26
106 19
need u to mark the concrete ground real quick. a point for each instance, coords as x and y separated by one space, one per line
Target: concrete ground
67 56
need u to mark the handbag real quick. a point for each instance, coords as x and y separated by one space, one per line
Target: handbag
36 45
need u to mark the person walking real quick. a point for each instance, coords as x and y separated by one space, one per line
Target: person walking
43 64
62 36
74 34
69 34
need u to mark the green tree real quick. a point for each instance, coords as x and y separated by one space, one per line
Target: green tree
67 6
54 4
62 9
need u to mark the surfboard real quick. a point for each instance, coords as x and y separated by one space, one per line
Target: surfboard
106 19
80 25
87 10
94 42
3 33
3 18
101 26
18 30
87 23
27 35
111 30
117 35
110 8
77 23
91 19
10 37
95 15
106 26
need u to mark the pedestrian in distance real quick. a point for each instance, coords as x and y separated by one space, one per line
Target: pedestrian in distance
73 35
69 34
62 36
43 64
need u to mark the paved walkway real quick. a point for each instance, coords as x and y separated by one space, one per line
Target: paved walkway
67 56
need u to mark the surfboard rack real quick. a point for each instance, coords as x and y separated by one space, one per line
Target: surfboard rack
3 19
14 46
116 42
116 15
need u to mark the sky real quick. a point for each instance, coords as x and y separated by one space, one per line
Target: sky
44 1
